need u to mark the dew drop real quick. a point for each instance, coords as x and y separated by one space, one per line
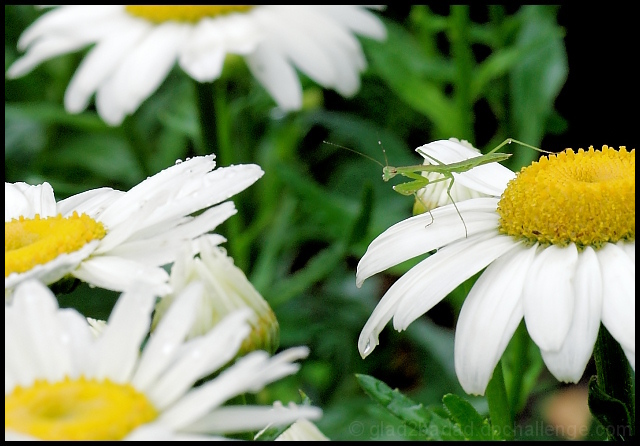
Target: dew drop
178 161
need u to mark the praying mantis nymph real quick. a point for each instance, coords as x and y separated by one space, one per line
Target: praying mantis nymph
418 181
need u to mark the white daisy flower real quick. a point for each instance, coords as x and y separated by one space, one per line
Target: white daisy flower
97 325
113 239
437 192
227 289
137 46
302 430
558 248
63 383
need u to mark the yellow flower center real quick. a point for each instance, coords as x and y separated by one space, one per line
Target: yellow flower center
79 409
587 198
188 14
35 241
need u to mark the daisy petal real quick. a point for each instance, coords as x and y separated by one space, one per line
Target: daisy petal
117 273
92 202
356 19
165 183
619 301
302 430
79 340
300 48
20 365
232 419
494 309
549 296
442 272
249 374
203 57
101 62
119 344
569 362
25 200
425 232
276 75
141 72
631 356
421 288
206 354
160 433
44 50
63 19
629 248
167 337
48 343
160 250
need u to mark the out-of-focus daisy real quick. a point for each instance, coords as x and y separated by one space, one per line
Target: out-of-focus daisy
302 430
64 383
226 289
559 250
97 326
137 46
110 238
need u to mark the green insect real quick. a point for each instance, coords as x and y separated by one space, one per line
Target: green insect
418 181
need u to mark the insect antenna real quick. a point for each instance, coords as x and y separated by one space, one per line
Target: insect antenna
355 151
384 152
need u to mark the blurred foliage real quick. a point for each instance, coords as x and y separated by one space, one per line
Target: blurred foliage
480 73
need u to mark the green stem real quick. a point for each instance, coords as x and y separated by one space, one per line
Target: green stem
215 135
140 146
521 347
207 117
463 57
500 412
616 381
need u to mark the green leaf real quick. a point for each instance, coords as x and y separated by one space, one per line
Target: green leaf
496 65
47 113
24 137
263 273
472 424
331 206
316 269
612 391
610 412
415 78
538 78
500 412
425 421
361 223
522 365
107 156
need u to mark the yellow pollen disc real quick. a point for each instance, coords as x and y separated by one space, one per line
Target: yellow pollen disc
188 14
35 241
79 409
587 198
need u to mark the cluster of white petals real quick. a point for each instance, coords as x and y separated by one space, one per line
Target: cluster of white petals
131 56
43 342
145 226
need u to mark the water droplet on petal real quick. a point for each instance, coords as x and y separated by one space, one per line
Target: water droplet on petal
178 161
